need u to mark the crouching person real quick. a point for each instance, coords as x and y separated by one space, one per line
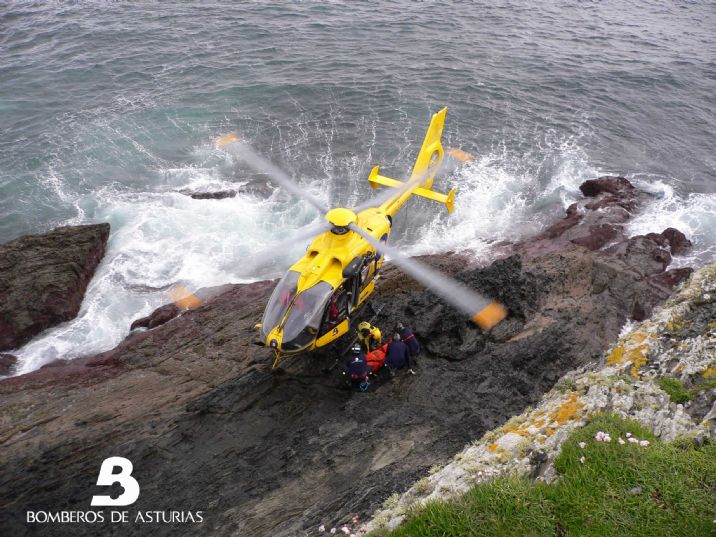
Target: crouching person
356 369
398 356
408 337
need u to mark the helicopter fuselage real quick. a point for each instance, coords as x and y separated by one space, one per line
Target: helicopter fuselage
312 304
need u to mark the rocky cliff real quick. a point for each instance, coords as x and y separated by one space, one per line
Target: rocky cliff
194 405
661 373
43 279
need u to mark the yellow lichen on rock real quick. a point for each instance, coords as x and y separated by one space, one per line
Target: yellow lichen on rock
709 372
638 358
634 350
616 357
568 410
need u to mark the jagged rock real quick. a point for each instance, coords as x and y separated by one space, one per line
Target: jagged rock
677 241
158 317
609 183
6 363
675 341
43 279
198 389
215 195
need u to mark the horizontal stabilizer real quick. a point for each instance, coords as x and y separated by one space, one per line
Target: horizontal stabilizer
448 199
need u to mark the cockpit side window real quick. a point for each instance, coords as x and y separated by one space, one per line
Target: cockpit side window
279 302
307 312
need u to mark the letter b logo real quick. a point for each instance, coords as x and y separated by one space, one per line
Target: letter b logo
124 478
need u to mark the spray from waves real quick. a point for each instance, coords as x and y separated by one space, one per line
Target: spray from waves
504 195
160 239
694 214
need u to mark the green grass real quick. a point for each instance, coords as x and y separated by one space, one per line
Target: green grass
675 388
678 393
596 498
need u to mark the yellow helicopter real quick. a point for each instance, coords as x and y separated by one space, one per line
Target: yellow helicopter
312 304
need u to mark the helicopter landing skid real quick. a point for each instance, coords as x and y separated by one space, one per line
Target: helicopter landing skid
277 355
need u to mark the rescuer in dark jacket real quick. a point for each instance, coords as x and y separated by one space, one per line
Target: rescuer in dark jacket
398 356
408 337
355 365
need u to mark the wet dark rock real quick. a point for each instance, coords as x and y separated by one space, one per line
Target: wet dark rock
7 361
678 242
594 222
671 278
608 184
194 404
158 317
43 279
215 195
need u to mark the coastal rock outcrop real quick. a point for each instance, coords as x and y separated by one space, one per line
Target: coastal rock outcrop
661 372
209 426
43 279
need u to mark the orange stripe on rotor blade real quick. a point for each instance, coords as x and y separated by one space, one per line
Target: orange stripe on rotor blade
227 139
489 316
184 299
459 154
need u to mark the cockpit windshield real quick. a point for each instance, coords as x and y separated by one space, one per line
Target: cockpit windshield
280 299
305 317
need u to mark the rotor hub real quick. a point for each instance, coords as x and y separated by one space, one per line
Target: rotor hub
340 217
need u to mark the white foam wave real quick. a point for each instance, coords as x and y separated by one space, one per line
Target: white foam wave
160 239
694 214
503 196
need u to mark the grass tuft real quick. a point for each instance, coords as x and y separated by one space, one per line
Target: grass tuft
605 488
675 388
678 393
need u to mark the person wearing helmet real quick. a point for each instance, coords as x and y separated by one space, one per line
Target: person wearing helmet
369 336
397 356
408 337
356 368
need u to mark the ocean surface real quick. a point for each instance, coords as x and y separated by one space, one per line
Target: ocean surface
108 111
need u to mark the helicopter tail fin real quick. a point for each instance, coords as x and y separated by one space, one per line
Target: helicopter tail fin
375 180
426 165
431 153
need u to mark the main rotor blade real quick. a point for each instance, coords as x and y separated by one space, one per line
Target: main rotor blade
482 311
309 232
459 154
231 143
184 299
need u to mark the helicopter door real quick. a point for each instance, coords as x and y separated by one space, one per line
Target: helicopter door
352 274
336 311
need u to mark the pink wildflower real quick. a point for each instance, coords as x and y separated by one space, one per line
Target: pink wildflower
582 445
345 530
632 440
599 436
333 530
321 528
621 441
607 438
628 435
644 443
582 459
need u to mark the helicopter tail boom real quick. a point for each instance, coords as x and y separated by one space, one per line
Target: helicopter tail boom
375 180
